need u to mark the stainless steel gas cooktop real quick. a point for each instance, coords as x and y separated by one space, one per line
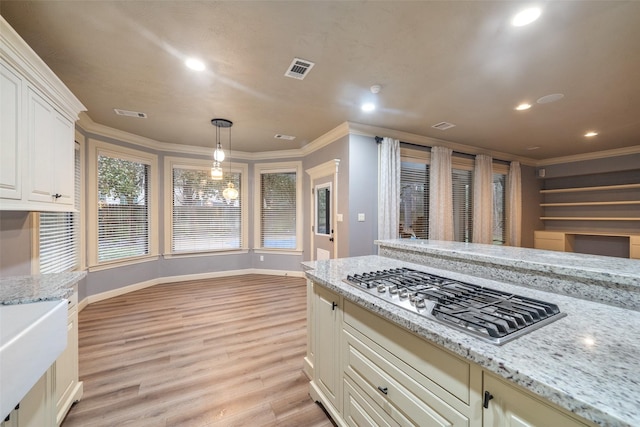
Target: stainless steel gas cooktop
491 315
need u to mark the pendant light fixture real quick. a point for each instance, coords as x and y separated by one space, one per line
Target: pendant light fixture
229 193
218 154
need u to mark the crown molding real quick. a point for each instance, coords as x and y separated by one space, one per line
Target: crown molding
367 130
19 55
595 155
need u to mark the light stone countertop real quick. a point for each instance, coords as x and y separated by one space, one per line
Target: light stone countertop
586 362
42 287
610 280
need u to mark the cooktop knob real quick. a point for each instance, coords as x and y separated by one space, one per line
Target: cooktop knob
382 289
404 293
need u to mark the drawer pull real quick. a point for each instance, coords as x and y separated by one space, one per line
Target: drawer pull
334 305
383 389
487 397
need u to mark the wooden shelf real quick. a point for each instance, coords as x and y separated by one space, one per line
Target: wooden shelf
598 188
567 218
621 202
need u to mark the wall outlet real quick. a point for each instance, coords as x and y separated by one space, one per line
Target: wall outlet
339 217
261 257
360 217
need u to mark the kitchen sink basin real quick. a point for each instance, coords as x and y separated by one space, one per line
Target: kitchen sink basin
32 336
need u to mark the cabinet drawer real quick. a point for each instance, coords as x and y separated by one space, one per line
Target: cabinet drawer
634 247
549 235
428 364
359 411
73 301
549 244
402 397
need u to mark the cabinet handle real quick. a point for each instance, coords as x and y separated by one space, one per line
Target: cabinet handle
334 305
487 397
383 389
57 196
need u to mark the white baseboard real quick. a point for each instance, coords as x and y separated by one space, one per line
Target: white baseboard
184 278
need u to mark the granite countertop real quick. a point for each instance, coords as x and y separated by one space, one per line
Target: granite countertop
41 287
586 362
621 271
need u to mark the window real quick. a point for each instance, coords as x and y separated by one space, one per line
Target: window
122 205
202 220
462 180
323 209
499 208
58 246
414 199
278 207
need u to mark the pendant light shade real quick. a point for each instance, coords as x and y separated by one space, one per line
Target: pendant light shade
229 193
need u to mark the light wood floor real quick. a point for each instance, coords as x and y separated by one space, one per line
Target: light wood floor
219 352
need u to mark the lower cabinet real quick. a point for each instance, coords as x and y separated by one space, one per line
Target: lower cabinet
49 400
511 407
371 372
68 388
36 408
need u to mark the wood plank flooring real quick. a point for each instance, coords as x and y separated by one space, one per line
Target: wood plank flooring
219 352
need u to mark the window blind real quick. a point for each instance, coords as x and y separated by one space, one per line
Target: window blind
499 209
123 208
202 219
278 210
462 205
59 233
414 200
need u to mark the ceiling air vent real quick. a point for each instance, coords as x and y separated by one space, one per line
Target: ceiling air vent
443 125
287 137
130 113
299 68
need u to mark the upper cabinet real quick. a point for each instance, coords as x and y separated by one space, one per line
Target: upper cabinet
37 116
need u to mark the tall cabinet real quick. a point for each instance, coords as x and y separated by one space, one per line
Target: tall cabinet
37 116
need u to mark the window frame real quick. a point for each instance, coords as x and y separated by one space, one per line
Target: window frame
203 164
279 167
423 157
98 148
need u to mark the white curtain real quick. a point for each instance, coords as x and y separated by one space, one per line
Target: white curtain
440 195
388 189
514 200
483 199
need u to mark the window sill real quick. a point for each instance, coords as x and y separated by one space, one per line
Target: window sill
122 263
204 254
278 251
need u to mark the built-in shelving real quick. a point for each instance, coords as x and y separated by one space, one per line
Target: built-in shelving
587 218
620 202
596 188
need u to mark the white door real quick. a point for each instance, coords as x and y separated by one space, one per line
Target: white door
324 210
323 218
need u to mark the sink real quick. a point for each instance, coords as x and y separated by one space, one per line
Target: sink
32 336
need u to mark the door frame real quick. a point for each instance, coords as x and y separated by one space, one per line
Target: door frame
329 168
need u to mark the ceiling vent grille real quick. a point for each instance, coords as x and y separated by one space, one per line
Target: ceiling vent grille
287 137
130 113
299 68
443 125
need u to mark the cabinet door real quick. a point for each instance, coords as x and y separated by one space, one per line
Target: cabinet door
63 159
41 148
10 134
36 408
327 372
511 407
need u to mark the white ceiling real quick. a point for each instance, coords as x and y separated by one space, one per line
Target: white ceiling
455 61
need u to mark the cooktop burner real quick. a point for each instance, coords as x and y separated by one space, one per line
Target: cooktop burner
488 314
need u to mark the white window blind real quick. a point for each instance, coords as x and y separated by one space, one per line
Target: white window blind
123 208
59 234
278 210
462 205
414 200
202 219
499 209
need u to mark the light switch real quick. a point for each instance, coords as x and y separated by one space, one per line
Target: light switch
360 217
339 217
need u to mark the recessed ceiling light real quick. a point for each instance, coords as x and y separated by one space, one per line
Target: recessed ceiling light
532 148
523 106
368 107
591 133
526 17
194 64
287 137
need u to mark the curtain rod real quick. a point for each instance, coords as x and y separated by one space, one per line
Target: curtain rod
379 140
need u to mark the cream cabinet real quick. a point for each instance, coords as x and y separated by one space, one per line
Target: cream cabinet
509 406
367 371
37 115
67 386
36 408
327 376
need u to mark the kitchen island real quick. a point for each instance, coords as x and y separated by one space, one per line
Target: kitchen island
585 364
